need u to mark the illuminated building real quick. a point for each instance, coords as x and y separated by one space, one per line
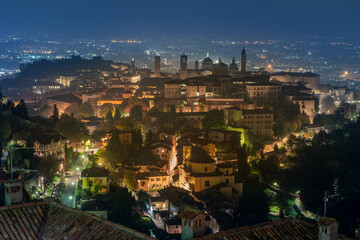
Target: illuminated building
258 121
194 90
311 79
65 80
45 87
264 92
53 145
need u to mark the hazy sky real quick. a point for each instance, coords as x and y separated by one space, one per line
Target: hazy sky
140 18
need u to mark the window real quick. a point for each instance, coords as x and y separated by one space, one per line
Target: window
196 223
207 183
227 181
176 226
157 179
227 171
205 169
199 222
100 181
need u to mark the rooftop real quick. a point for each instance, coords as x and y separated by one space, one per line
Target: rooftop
95 172
69 98
286 228
42 220
296 74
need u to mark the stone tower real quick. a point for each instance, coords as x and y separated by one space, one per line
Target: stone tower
243 61
157 66
183 67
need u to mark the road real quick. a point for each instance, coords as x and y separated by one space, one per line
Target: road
69 193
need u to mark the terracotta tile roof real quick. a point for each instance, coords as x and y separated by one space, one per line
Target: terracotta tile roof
190 213
95 172
287 228
42 220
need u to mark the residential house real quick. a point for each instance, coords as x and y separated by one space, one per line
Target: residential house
50 145
196 223
173 227
95 179
162 150
152 180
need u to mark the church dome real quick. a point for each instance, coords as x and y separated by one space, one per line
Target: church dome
207 60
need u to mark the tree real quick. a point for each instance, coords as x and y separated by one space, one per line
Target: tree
269 168
71 128
291 141
105 108
86 110
56 114
130 180
125 124
281 200
136 113
202 104
148 138
109 120
117 116
5 131
136 136
121 203
276 148
243 165
213 119
113 154
253 206
21 110
48 168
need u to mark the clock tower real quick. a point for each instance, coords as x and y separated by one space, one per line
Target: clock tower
183 66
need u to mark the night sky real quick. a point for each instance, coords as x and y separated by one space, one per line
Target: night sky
107 19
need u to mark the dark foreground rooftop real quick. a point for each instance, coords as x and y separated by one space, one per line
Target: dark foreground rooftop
42 220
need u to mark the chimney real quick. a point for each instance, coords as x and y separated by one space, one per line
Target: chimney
328 229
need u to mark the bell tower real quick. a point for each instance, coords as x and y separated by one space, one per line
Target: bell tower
243 61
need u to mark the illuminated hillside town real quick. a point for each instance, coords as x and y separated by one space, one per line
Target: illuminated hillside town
177 136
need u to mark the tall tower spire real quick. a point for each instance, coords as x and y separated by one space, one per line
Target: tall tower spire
243 61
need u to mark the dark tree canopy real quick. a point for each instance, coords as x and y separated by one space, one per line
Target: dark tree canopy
214 119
